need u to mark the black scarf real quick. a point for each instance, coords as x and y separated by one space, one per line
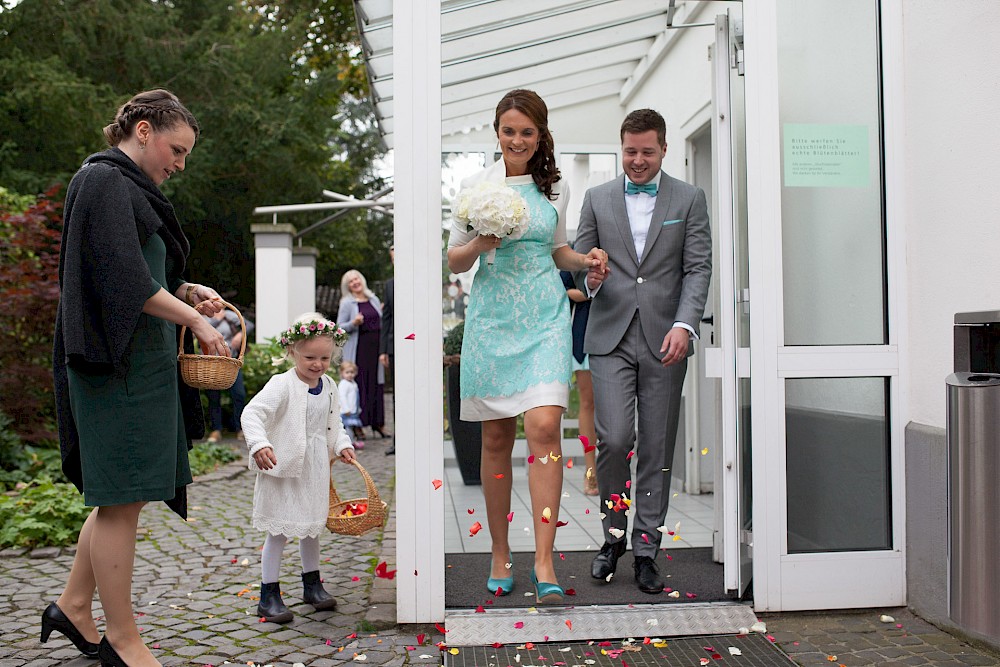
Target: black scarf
112 208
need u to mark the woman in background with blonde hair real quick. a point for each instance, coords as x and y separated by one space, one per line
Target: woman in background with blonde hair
360 315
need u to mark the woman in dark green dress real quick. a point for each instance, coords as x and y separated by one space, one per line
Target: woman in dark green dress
119 400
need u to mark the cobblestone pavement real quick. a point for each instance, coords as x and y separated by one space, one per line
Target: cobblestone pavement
196 584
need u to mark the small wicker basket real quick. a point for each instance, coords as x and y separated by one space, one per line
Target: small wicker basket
211 371
358 524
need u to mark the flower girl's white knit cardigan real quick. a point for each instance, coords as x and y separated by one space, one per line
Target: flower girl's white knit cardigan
276 418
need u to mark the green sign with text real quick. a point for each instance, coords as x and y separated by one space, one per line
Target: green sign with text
826 156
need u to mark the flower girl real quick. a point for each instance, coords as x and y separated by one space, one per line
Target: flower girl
293 431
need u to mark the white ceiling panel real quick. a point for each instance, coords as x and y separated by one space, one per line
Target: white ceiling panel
569 51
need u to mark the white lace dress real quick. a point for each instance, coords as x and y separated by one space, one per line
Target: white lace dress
298 506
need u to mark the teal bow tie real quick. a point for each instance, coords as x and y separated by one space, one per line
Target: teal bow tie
633 189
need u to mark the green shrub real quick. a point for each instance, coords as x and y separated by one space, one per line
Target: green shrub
207 456
41 513
453 340
260 362
20 463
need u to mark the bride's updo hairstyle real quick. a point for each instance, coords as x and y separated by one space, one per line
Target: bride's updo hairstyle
160 108
542 165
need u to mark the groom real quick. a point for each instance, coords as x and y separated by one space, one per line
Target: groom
642 319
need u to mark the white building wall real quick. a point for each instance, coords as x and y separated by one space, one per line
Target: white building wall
953 167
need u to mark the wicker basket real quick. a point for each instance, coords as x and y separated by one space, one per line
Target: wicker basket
358 524
211 371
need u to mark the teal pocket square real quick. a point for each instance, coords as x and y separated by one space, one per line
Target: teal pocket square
671 222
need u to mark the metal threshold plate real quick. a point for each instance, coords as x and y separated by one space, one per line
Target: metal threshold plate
574 624
744 650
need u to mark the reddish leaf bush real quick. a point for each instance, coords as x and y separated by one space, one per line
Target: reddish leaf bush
29 294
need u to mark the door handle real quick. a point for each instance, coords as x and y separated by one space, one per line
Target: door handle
710 320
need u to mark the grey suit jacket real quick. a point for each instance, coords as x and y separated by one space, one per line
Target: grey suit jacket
669 285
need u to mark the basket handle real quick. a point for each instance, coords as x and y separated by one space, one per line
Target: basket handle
243 326
369 484
371 490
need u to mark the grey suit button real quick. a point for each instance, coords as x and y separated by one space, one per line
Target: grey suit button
639 280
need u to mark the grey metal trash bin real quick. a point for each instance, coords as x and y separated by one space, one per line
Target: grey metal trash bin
973 427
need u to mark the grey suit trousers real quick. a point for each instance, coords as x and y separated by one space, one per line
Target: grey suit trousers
629 373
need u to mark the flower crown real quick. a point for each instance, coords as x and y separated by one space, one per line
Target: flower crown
311 329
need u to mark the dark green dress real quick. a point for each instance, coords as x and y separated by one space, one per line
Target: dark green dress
132 441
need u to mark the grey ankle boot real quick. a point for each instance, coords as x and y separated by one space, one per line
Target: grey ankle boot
271 608
313 592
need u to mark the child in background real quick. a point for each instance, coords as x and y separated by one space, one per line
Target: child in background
350 408
293 431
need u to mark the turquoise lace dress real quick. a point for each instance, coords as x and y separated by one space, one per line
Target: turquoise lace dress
517 346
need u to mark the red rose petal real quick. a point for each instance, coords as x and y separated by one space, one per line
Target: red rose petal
437 484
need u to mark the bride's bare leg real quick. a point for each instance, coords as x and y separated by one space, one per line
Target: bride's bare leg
498 444
541 426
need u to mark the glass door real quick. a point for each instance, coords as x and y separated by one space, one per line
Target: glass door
733 324
828 507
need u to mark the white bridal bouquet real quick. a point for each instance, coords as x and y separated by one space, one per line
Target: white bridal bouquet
492 208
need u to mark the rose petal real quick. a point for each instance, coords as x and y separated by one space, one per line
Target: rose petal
437 484
412 336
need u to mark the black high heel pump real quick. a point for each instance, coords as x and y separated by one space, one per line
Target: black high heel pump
109 656
53 618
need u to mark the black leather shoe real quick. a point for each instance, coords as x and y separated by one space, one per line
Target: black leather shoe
647 575
270 607
313 592
606 561
53 618
108 655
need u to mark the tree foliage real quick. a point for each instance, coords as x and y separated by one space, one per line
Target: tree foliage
276 88
29 292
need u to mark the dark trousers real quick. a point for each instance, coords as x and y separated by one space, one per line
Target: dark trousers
237 393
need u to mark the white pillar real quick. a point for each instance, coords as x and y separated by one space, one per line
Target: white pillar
302 286
416 46
273 265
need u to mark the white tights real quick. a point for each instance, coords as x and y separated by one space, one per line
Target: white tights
270 558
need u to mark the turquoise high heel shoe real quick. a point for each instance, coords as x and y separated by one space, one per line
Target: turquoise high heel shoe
504 584
546 592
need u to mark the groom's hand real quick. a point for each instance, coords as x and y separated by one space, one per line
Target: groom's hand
675 346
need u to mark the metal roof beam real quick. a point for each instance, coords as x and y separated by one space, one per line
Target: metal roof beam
558 101
583 62
553 86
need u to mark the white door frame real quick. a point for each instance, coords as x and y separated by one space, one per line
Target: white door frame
419 421
785 581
